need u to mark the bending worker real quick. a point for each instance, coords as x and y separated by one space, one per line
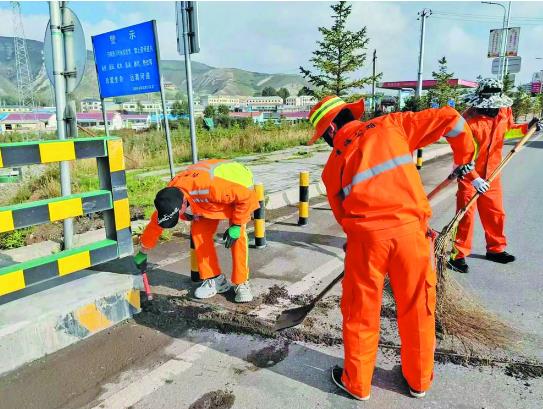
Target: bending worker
490 119
376 195
205 193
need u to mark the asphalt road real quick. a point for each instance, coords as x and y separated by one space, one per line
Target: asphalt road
512 290
139 366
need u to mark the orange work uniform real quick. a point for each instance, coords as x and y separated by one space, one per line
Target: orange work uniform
489 134
376 194
215 190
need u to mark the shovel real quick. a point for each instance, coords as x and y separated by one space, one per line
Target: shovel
295 316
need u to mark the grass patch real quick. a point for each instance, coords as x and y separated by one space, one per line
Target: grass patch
14 239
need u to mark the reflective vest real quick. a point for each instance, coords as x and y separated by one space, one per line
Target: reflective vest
215 189
489 133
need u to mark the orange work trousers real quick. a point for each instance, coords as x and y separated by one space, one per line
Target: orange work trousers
409 263
491 213
203 232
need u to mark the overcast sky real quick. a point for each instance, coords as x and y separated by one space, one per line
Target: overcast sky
278 37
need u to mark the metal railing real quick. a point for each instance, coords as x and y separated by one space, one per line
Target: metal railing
111 199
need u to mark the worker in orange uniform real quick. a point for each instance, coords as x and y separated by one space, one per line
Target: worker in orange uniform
376 195
205 193
490 119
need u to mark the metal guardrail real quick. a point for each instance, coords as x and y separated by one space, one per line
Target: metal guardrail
111 199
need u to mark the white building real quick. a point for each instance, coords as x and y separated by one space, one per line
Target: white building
91 105
146 106
215 100
303 102
265 104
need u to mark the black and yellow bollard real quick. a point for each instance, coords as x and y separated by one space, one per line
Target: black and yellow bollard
194 273
260 218
303 206
419 159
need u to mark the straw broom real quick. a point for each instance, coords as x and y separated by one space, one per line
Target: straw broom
457 313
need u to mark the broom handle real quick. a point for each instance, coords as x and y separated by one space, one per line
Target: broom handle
499 168
451 178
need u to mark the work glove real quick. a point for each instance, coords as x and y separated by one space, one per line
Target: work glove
141 260
231 235
463 170
480 185
535 121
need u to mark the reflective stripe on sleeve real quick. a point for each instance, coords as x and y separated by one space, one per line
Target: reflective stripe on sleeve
376 170
458 128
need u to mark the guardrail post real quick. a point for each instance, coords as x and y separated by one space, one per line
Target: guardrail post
260 218
419 159
303 206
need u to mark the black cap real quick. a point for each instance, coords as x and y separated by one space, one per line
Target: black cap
168 202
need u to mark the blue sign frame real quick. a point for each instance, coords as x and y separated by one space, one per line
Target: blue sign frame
127 60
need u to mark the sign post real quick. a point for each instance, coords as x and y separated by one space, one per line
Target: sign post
187 42
58 64
127 63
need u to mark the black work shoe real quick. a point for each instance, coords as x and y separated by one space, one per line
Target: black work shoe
336 378
504 257
459 265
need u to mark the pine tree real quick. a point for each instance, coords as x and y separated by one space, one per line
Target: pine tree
340 53
442 92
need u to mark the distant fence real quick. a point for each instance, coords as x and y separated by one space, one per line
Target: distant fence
111 199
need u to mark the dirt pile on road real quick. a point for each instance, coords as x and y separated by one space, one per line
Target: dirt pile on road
274 294
215 400
268 356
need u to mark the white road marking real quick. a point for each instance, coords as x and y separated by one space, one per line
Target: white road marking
149 383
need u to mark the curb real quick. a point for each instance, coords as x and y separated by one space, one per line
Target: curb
48 321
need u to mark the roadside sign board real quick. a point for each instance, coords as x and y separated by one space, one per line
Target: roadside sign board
513 65
127 60
190 8
512 41
495 42
79 47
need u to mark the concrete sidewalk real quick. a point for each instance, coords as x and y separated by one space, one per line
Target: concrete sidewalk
279 171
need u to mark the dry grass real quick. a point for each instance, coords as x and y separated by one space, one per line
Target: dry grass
458 313
148 149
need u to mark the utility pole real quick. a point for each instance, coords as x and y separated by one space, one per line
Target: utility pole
188 70
423 15
60 102
70 74
373 105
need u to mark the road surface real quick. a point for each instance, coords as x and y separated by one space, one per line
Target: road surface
144 364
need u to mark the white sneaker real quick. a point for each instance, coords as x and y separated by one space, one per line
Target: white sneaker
417 394
212 286
243 292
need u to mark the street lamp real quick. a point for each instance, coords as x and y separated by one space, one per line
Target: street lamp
505 29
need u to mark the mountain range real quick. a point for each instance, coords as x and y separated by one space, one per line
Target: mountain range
206 80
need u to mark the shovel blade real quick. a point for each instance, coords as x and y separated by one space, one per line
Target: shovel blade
291 318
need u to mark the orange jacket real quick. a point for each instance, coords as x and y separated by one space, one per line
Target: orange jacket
215 189
489 133
371 181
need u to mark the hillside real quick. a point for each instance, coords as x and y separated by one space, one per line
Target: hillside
206 79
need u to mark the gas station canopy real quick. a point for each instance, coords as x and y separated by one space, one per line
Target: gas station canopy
426 84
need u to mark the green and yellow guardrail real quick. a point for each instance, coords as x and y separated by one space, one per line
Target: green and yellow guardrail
111 200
